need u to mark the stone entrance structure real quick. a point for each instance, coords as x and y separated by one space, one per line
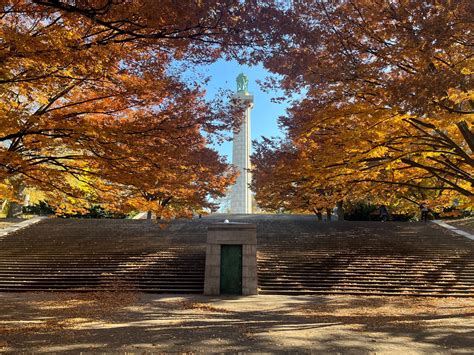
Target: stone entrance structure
231 259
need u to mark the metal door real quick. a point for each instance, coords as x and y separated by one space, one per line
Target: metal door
231 269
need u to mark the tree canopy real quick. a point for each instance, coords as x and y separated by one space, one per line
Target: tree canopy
95 109
387 103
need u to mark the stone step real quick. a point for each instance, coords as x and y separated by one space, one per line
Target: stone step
369 270
296 255
264 250
108 263
96 273
66 253
349 276
369 286
444 293
374 267
364 284
98 281
393 259
180 290
114 277
109 267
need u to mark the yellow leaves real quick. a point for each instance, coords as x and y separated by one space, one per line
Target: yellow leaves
7 191
468 68
459 96
467 71
126 126
35 196
399 118
378 152
392 164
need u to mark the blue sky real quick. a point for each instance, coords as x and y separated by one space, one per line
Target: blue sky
265 112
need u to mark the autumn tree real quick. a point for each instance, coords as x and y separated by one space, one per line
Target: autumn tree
387 97
94 108
281 185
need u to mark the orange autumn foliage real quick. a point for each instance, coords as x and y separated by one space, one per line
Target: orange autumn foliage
94 109
387 105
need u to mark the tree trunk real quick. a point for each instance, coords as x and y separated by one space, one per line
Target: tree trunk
5 207
148 215
14 210
318 213
328 214
340 210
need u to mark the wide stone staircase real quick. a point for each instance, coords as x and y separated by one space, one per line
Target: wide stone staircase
368 258
91 255
296 255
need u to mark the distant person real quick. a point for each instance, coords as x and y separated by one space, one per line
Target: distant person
424 209
383 212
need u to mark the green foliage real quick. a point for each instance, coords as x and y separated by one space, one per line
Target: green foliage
95 211
42 208
132 214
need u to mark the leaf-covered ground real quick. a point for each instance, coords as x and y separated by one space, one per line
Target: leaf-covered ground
115 321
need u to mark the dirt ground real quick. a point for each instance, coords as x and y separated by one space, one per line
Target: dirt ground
135 322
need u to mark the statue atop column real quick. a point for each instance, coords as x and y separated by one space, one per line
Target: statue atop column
242 83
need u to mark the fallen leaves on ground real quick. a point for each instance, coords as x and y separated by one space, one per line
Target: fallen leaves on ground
67 311
48 326
196 306
406 312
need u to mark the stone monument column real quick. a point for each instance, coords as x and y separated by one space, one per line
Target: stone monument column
241 197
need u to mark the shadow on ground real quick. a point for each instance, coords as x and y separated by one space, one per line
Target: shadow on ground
47 322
